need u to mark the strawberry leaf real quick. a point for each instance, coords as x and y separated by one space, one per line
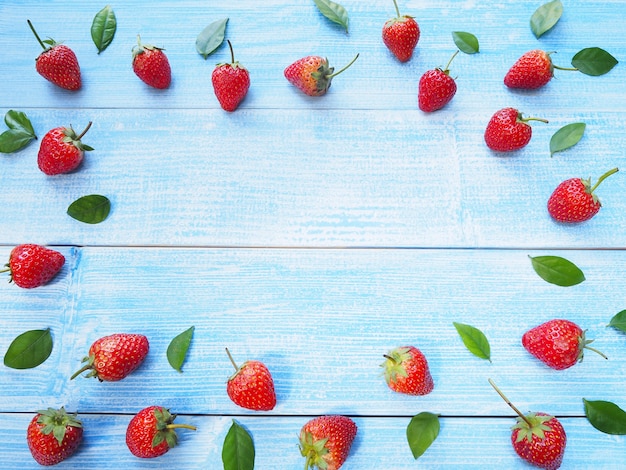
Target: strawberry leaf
619 321
334 12
238 449
557 270
422 432
177 349
211 37
545 17
606 417
566 137
474 340
103 28
466 42
594 61
91 209
29 349
20 132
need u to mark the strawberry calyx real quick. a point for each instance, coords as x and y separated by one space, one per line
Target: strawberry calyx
530 425
72 138
583 343
140 48
89 366
166 429
233 63
393 365
56 421
314 451
324 74
399 18
587 183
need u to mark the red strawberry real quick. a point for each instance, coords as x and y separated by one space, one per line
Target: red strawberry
537 438
61 150
312 75
557 343
507 130
33 265
574 199
251 386
53 436
152 432
230 83
400 35
111 358
533 69
325 441
57 63
406 371
150 64
436 88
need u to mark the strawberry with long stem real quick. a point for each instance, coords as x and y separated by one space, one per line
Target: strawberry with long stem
313 75
400 35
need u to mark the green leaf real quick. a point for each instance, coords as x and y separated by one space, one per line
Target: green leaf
566 137
422 432
29 349
334 12
238 449
103 28
594 61
619 321
211 37
178 347
18 120
557 270
475 340
606 416
466 42
545 17
91 209
20 132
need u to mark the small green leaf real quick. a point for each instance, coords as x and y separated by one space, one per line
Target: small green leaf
29 349
334 12
594 61
545 17
177 349
20 132
557 270
466 42
566 137
422 432
91 209
619 321
103 28
18 120
606 416
211 37
474 340
238 449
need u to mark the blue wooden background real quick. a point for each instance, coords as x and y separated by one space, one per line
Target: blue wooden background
314 234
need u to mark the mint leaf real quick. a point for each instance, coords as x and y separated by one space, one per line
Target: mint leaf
91 209
238 449
466 42
29 349
557 270
474 340
619 321
211 37
545 17
594 61
103 28
178 347
606 416
422 432
20 132
334 12
566 137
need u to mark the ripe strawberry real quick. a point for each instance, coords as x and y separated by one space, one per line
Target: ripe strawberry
574 199
557 343
150 64
152 432
312 75
406 371
533 69
33 265
111 358
61 150
507 130
400 35
537 438
53 436
57 63
325 441
230 83
436 88
251 386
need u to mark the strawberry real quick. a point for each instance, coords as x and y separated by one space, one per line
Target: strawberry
150 64
61 150
57 63
508 130
152 432
111 358
251 386
400 35
557 343
574 199
406 371
538 438
436 88
312 75
230 83
53 436
33 265
533 69
325 441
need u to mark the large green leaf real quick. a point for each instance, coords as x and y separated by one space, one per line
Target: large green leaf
474 340
211 37
91 209
566 137
238 449
422 432
178 347
619 321
594 61
19 134
466 42
103 28
29 349
545 17
557 270
606 416
334 12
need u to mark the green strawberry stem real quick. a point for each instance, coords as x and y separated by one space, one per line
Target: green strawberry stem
32 28
232 54
346 67
596 351
447 69
232 360
397 9
181 426
85 368
526 119
84 132
508 402
601 179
